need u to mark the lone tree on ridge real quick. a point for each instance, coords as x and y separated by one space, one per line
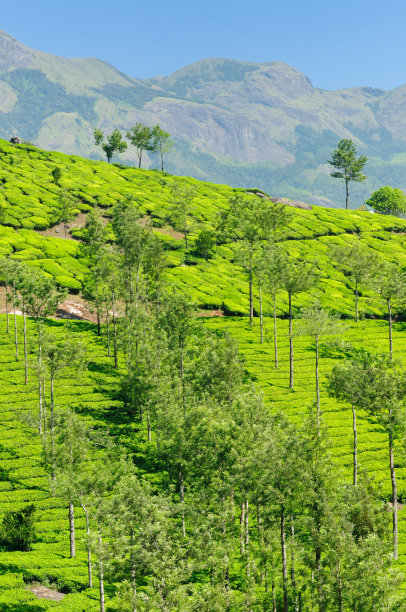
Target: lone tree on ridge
348 166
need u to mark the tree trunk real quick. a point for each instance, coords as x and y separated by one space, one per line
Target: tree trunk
89 557
242 523
355 451
182 501
101 574
52 414
108 333
72 546
15 329
394 497
261 320
39 379
182 379
162 162
114 330
251 296
275 332
290 343
44 406
284 563
390 327
8 324
346 194
133 573
292 565
247 538
318 569
356 301
317 385
25 351
148 426
98 322
274 608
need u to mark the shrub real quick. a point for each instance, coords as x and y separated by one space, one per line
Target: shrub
18 530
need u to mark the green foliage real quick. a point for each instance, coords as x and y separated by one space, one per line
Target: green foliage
348 167
18 528
56 175
388 201
161 142
204 244
113 145
140 136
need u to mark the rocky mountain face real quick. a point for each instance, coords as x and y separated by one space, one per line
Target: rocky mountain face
255 125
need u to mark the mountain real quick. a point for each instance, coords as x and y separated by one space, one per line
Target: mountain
248 124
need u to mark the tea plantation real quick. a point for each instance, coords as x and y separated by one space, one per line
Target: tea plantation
29 200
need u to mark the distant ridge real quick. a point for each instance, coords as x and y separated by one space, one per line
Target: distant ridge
242 123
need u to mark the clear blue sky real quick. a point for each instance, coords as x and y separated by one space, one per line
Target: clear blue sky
344 44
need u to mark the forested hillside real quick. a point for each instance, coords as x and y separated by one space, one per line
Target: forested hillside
226 429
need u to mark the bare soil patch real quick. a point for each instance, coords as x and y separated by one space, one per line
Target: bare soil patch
43 592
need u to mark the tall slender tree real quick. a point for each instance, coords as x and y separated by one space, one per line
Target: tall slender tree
298 277
318 323
358 263
391 284
348 167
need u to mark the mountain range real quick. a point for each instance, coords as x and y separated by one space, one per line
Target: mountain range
248 124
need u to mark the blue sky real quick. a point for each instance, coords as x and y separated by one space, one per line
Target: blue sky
336 45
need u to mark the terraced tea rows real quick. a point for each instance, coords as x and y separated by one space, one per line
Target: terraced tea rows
23 479
337 417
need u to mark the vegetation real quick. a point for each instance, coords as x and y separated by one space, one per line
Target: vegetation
388 201
228 487
348 167
113 145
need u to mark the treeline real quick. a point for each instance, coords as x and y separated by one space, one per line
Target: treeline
234 507
140 136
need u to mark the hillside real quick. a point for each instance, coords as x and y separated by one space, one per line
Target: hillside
234 122
29 199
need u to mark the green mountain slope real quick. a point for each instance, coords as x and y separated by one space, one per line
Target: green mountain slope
29 199
235 122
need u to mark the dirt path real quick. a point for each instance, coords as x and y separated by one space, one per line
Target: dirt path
43 592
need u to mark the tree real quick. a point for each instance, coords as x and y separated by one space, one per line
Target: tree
161 142
180 210
316 322
56 174
378 386
11 272
273 262
251 220
94 235
348 167
140 136
18 528
388 201
67 463
297 278
204 243
358 263
132 238
41 296
391 283
58 356
114 144
66 209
